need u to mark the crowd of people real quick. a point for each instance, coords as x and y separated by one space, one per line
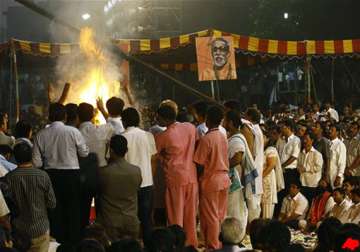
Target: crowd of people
203 177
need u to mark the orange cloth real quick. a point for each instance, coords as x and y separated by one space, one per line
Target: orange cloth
214 183
176 146
213 208
181 202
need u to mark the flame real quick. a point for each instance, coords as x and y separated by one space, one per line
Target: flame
88 45
96 83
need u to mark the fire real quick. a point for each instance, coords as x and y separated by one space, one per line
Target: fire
88 45
95 86
96 83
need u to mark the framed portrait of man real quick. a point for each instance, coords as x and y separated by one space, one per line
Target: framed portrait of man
215 58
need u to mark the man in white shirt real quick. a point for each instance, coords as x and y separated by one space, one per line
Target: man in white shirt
332 113
236 148
310 164
289 158
114 108
353 150
342 206
294 206
337 158
316 111
3 171
141 152
4 139
354 211
300 114
275 136
4 212
56 149
254 204
300 130
97 138
5 154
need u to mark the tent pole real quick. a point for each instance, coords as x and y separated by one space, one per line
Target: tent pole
218 91
127 56
11 65
16 79
332 80
308 79
212 89
314 84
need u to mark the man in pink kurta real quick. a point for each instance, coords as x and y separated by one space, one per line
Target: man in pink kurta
176 147
211 155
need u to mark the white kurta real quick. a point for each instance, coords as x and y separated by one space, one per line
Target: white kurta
337 161
254 202
269 197
236 201
341 211
269 182
312 162
354 214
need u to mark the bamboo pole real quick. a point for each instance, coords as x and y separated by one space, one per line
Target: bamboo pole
16 80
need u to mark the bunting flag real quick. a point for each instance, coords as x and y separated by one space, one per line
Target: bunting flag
250 44
45 49
244 44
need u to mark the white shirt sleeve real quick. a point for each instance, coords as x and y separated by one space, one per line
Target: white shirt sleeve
341 160
329 205
296 148
301 206
108 131
284 205
4 210
235 146
318 163
36 157
301 160
152 144
82 148
3 171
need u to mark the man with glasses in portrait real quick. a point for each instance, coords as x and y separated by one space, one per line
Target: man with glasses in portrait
221 68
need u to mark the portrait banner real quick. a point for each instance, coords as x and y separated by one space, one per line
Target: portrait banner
215 58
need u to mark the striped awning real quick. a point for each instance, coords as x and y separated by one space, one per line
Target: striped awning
244 44
249 44
44 49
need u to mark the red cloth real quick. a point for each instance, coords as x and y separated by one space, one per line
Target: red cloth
92 214
317 209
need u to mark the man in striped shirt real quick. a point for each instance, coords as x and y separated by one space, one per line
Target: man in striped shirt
33 194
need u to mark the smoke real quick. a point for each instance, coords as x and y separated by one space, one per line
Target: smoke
93 70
